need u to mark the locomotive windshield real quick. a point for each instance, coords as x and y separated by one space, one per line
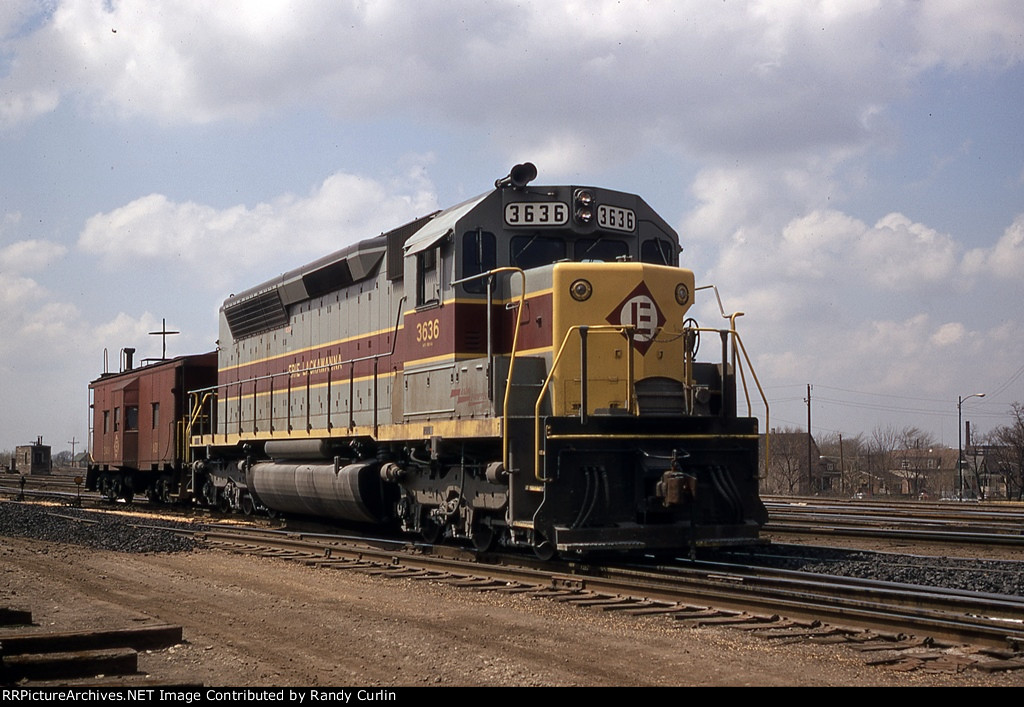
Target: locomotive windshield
537 250
658 252
532 251
602 249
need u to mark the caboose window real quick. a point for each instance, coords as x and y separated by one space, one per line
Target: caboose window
479 254
106 421
156 416
117 419
599 249
533 251
131 418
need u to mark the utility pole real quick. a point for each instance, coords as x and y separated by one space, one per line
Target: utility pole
164 334
842 473
960 439
72 443
810 468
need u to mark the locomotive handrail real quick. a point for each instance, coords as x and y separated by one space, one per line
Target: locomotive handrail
308 372
743 379
746 391
764 398
490 353
197 409
628 330
583 329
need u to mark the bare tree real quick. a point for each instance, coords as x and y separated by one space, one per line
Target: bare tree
914 448
881 447
1007 455
787 467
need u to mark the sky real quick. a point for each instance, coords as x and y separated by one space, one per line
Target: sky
850 175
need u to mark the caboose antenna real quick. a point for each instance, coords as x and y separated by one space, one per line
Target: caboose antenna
164 334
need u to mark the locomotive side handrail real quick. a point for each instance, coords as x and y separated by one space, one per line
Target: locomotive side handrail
738 344
490 351
308 373
186 430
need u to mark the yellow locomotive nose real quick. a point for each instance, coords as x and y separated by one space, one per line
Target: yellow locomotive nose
632 317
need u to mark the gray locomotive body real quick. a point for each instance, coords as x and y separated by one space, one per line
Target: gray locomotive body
519 368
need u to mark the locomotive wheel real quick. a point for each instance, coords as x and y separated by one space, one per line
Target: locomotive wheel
483 537
543 548
209 497
247 505
430 531
113 488
163 486
104 486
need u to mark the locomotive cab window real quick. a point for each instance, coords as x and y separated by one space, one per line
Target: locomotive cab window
658 252
603 249
534 251
428 278
479 255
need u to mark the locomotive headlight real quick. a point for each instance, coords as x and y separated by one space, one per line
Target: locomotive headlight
583 205
682 293
580 290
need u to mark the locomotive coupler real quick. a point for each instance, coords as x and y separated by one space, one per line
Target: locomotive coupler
675 488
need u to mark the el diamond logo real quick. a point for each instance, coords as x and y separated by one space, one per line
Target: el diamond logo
640 311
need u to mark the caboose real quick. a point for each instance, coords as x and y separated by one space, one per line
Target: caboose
139 444
519 368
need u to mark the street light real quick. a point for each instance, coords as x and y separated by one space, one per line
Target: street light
960 438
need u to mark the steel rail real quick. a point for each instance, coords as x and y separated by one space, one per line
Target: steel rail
988 620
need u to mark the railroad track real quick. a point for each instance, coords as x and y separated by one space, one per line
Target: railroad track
889 623
902 623
893 621
963 524
973 524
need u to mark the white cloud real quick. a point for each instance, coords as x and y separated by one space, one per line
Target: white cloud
986 33
30 256
901 255
15 293
830 257
343 209
949 334
1006 259
722 79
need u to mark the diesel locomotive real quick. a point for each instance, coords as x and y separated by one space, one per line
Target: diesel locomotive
519 369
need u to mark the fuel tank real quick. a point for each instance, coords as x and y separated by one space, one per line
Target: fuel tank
353 493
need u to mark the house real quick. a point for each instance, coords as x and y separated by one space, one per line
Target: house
794 465
33 459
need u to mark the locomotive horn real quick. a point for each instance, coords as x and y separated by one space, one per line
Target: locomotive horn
518 177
